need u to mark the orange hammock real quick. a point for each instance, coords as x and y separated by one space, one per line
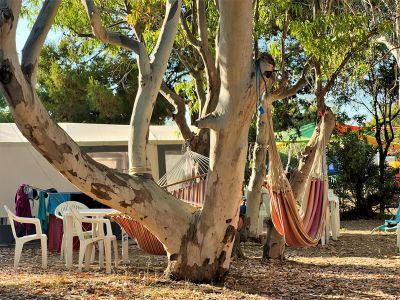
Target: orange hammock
304 228
192 193
144 238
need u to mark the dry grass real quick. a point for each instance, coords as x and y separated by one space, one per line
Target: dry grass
358 266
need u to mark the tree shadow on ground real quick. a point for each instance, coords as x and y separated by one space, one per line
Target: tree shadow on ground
296 280
375 245
358 265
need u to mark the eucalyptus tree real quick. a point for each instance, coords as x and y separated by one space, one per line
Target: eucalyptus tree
329 39
198 241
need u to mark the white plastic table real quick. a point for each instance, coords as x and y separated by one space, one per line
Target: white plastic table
88 212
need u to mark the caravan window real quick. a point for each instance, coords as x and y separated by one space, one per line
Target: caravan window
114 160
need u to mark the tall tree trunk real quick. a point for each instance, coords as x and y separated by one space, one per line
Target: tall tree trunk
205 250
274 246
259 153
254 200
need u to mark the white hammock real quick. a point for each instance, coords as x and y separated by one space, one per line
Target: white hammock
191 166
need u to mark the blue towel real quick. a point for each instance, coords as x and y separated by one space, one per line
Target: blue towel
55 200
42 212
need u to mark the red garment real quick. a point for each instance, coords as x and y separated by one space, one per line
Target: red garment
23 207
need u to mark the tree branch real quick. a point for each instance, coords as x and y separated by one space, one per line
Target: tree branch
202 22
292 91
394 50
289 92
212 75
202 46
198 81
162 50
150 82
210 121
394 116
191 38
185 61
179 115
347 57
336 73
106 36
37 37
365 106
116 38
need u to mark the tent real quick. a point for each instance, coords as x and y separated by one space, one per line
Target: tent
307 130
108 144
302 136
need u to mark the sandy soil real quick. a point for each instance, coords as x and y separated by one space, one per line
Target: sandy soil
360 265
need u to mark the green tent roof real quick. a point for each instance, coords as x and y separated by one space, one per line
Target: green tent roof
292 135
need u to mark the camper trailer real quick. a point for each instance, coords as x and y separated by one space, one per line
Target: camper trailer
108 144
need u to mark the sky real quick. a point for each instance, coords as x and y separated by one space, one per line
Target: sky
23 30
22 34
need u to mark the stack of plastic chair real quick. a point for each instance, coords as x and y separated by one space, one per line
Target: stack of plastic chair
20 241
66 208
86 242
335 214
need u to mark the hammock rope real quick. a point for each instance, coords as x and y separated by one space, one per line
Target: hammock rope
299 228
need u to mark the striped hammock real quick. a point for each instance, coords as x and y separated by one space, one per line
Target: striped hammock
190 190
299 228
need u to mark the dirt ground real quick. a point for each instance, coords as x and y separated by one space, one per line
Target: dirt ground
360 265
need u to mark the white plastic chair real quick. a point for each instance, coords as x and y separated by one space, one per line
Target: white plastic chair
86 242
60 212
20 241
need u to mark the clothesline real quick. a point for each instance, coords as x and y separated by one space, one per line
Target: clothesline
50 193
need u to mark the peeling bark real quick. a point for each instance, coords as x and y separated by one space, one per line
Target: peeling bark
206 255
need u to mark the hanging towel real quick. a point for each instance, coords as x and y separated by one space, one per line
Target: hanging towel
22 207
55 200
42 216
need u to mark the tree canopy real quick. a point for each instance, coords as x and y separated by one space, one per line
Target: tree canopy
93 89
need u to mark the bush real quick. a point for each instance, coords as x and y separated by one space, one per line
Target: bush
357 176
